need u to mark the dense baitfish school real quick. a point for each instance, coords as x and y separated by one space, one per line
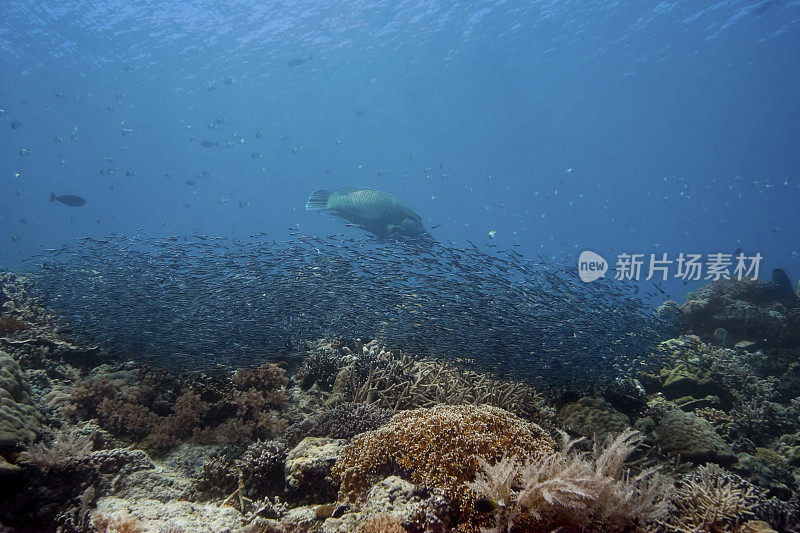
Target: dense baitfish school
201 302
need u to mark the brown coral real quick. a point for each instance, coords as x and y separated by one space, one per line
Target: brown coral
166 411
439 448
12 324
382 523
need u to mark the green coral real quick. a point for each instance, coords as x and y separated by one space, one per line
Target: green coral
594 418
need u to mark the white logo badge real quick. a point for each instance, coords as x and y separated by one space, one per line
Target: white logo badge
591 266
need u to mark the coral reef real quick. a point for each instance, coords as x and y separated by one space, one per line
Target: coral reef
308 469
386 441
568 489
693 438
749 310
438 448
19 419
165 411
262 468
711 499
344 421
594 418
395 380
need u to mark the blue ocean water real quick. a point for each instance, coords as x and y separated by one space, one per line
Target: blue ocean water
646 127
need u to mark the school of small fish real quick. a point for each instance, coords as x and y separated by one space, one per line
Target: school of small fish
204 302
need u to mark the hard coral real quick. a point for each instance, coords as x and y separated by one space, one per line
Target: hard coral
167 410
382 523
19 419
394 380
342 422
11 324
261 467
438 448
693 438
712 499
593 417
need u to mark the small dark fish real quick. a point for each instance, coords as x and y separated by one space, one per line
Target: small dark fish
16 237
190 183
23 221
15 124
68 199
487 505
230 81
659 288
61 96
255 155
296 62
208 144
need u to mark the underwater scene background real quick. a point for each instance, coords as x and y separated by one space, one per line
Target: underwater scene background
186 344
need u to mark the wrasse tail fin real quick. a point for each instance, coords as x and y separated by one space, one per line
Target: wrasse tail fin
318 200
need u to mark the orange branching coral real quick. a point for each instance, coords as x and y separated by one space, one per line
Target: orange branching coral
440 447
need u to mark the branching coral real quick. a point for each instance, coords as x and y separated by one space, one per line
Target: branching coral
261 468
397 381
342 422
63 450
441 447
382 523
572 489
712 499
166 411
